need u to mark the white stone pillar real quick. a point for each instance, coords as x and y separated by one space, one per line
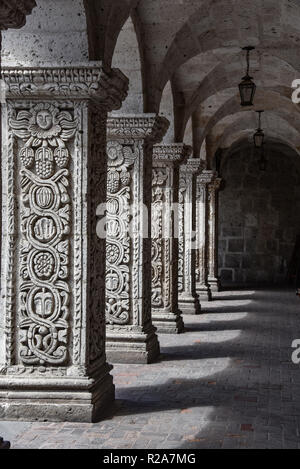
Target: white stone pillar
188 298
213 278
52 325
202 238
166 315
130 333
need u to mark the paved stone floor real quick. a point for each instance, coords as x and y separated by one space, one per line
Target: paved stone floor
228 382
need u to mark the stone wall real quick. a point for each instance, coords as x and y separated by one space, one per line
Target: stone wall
259 217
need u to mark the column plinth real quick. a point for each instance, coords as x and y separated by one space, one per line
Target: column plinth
213 278
188 299
52 327
130 333
166 315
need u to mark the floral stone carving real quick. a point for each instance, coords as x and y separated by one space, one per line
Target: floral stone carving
130 333
166 315
53 264
45 223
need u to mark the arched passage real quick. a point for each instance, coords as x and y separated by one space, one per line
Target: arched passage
258 215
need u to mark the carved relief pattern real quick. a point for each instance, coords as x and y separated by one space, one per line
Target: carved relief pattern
118 249
181 237
201 234
159 178
44 131
212 251
96 254
128 278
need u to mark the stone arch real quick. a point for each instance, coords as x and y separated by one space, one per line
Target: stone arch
228 75
274 125
105 20
167 110
83 30
48 37
234 32
266 99
243 139
128 58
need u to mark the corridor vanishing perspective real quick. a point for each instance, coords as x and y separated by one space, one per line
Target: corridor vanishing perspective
228 383
150 229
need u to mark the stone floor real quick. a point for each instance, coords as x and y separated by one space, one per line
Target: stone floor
228 382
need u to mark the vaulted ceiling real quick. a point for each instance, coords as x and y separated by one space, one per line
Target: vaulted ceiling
184 59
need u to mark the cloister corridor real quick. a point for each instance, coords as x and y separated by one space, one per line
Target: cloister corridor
150 228
228 382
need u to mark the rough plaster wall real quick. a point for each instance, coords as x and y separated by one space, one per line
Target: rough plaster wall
258 218
167 111
188 134
127 58
55 32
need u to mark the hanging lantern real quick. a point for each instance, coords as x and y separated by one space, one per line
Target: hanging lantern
259 135
247 86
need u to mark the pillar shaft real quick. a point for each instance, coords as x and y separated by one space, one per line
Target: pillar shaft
130 333
202 237
213 278
188 298
52 329
166 315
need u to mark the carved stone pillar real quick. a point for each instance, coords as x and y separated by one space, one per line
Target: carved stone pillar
202 238
130 333
188 298
52 324
213 279
166 315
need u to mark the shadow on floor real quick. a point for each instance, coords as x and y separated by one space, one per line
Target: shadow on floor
254 400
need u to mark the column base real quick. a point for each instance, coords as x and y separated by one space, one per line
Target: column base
132 346
167 322
61 399
204 292
189 304
214 284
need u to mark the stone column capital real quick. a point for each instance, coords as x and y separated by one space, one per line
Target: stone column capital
215 184
137 127
206 177
170 154
13 13
193 166
107 88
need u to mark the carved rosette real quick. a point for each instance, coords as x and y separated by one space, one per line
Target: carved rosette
13 13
